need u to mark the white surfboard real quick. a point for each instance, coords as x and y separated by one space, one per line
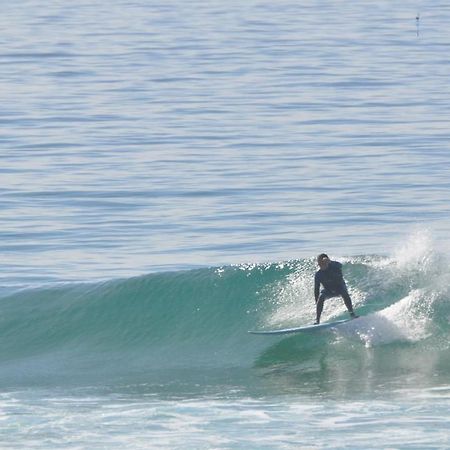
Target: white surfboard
307 328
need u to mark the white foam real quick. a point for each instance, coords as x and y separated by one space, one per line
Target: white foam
418 251
404 321
293 299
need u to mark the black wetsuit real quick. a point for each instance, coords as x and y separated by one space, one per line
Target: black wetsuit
334 286
331 279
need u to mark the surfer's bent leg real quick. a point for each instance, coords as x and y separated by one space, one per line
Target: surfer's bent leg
348 302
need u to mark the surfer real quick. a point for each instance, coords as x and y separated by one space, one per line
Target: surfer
330 277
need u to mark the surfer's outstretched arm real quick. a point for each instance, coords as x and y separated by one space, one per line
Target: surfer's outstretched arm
319 308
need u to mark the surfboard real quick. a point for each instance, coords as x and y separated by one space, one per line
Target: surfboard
307 328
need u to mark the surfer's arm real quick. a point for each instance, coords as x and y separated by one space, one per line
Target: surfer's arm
340 278
316 287
339 269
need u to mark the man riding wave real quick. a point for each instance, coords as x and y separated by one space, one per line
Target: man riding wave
330 277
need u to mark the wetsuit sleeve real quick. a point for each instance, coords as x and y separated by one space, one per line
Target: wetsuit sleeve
336 268
316 287
340 277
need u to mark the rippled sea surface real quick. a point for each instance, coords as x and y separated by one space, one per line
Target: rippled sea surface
144 135
147 136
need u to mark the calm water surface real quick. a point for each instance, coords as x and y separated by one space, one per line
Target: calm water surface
137 136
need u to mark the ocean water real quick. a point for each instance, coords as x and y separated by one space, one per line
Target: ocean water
170 170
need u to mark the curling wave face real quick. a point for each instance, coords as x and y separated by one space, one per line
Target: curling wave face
186 323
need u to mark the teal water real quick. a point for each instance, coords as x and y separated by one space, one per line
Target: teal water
168 328
169 170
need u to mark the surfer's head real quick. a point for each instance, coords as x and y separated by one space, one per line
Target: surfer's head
323 260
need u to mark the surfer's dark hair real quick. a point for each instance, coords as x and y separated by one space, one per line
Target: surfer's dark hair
322 256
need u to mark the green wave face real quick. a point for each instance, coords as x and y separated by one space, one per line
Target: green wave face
193 325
